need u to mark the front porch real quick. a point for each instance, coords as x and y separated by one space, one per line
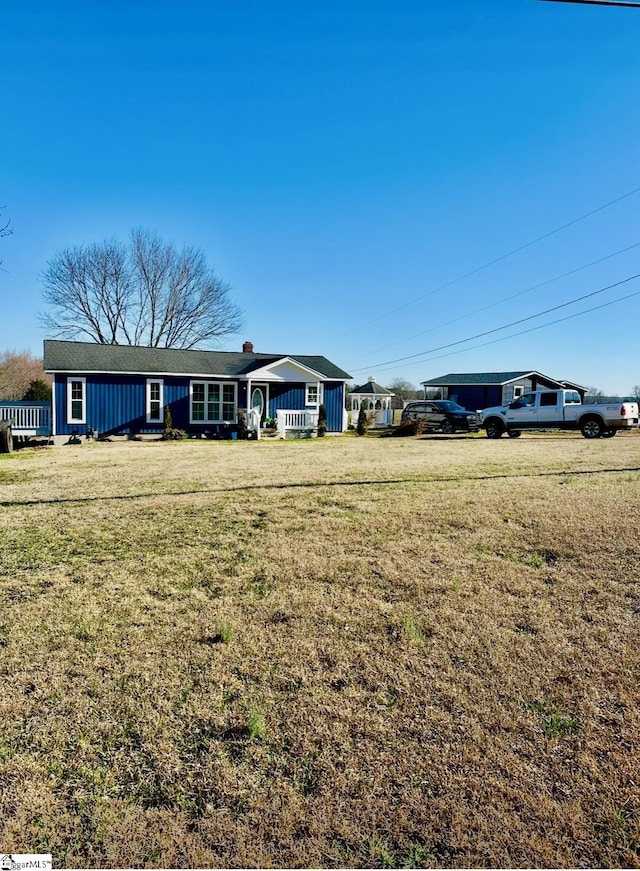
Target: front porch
289 424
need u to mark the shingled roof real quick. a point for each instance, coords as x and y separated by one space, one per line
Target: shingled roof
372 387
457 379
77 357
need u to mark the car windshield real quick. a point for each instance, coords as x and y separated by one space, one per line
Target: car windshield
447 405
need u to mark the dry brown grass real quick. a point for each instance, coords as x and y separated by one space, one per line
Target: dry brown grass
345 652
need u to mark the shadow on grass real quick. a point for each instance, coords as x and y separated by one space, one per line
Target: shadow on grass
7 503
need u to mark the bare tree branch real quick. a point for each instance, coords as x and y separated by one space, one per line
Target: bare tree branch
143 293
5 229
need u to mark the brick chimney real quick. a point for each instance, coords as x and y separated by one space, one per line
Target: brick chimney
247 348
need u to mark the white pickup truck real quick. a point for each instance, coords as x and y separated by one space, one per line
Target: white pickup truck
559 409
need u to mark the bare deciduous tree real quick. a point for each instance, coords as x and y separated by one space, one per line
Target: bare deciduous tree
18 369
146 292
403 392
593 395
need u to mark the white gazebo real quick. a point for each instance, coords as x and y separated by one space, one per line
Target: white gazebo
375 400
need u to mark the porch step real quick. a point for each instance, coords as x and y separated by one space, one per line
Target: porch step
300 432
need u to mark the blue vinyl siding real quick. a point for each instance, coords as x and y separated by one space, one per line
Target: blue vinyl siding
112 404
334 404
478 396
117 403
289 396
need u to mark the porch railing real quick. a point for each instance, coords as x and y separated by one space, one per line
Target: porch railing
29 418
253 422
296 422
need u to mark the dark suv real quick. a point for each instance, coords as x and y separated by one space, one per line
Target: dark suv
442 415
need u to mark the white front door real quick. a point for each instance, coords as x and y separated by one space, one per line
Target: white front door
258 402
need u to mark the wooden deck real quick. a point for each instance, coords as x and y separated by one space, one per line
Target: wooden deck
28 418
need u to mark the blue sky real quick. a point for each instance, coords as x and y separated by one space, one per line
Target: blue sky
339 163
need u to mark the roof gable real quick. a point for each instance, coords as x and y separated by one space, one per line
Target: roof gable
284 369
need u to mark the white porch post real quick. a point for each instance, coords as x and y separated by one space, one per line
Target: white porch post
53 404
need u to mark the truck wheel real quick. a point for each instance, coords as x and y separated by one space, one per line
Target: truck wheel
609 433
447 427
494 428
6 440
592 428
514 433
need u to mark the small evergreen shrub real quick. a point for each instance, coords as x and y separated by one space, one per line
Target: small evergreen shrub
170 433
322 421
363 422
38 391
243 432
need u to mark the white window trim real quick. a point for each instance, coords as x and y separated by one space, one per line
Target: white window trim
151 381
54 419
70 381
518 390
320 387
219 384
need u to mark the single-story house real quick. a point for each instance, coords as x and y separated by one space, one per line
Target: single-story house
125 389
478 390
376 401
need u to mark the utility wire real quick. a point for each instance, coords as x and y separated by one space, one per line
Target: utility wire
504 299
491 262
503 327
599 3
539 327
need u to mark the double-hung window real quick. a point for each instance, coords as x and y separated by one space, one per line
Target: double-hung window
155 400
314 393
76 400
213 402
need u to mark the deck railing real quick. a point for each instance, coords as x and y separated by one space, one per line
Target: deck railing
253 423
29 418
296 422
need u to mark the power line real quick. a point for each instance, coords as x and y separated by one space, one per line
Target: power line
540 326
503 327
491 262
534 329
505 299
599 3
